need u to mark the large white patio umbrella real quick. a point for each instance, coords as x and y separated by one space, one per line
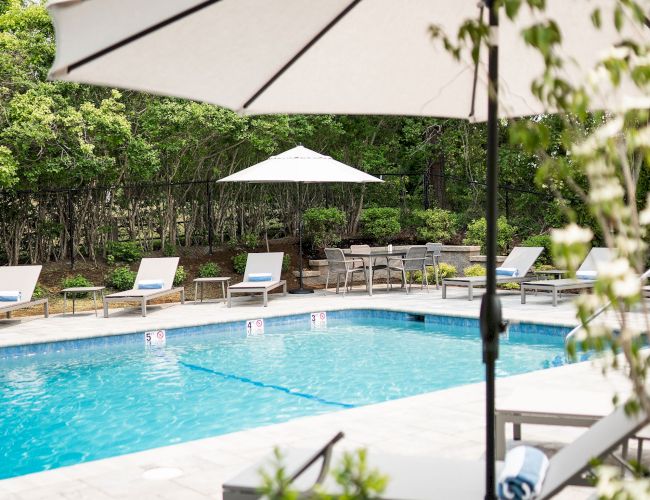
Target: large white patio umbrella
300 165
336 56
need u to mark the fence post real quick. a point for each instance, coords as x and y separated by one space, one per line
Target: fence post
71 228
208 191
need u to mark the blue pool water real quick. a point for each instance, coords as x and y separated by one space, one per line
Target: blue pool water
63 404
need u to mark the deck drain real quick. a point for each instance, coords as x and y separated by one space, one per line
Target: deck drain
160 473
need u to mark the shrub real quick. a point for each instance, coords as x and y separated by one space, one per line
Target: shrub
250 241
180 276
169 250
475 270
380 224
75 281
209 270
286 262
540 240
435 224
322 226
510 286
123 251
39 292
239 262
446 271
477 231
121 278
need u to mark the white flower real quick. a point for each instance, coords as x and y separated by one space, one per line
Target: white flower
571 234
640 138
605 192
627 286
615 269
627 246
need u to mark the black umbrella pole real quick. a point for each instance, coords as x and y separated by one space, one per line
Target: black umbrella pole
491 322
301 289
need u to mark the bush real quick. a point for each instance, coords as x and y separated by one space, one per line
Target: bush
121 278
380 224
76 281
123 251
169 250
322 226
436 225
39 292
475 270
209 270
477 231
239 262
540 240
250 241
180 276
446 271
286 262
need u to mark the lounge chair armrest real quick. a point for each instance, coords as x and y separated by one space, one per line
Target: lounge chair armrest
326 453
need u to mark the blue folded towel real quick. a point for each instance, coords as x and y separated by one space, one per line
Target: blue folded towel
507 271
586 275
523 473
260 277
10 296
150 284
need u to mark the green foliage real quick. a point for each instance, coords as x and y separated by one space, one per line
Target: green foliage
209 270
123 251
76 281
435 225
239 262
180 276
250 241
39 292
510 286
121 278
169 250
541 240
323 226
446 271
477 231
276 485
380 224
286 262
474 270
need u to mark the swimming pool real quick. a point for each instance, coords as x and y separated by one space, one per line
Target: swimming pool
70 402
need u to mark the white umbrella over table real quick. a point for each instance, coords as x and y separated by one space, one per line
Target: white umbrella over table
301 166
340 56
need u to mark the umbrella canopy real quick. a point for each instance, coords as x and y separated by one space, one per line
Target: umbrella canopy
300 165
338 56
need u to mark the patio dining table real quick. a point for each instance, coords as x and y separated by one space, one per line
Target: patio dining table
372 255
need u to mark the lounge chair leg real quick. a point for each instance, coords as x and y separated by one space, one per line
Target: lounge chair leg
500 437
144 307
105 308
471 292
229 298
266 298
554 297
284 289
9 315
516 432
523 294
183 296
46 309
444 290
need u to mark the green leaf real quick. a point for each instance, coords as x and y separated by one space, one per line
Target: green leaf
618 18
595 18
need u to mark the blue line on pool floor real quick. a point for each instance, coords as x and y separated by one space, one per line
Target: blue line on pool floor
264 385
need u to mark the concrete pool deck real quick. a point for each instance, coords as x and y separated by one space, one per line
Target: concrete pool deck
448 423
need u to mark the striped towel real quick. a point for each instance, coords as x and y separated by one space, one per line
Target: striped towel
10 296
150 284
523 473
260 277
508 271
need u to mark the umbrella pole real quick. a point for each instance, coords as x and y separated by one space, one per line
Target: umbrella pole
301 289
491 322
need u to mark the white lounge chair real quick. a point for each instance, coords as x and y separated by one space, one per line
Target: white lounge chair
260 264
151 269
21 280
596 256
423 478
521 259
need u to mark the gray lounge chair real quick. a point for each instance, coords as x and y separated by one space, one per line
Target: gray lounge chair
21 279
161 268
596 256
521 258
270 262
417 478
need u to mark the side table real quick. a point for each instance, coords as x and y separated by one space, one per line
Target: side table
202 281
81 289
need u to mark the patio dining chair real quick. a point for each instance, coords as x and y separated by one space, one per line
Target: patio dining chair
415 260
337 264
434 252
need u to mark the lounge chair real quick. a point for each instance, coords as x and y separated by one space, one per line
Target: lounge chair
417 478
155 279
587 269
17 284
263 274
520 260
